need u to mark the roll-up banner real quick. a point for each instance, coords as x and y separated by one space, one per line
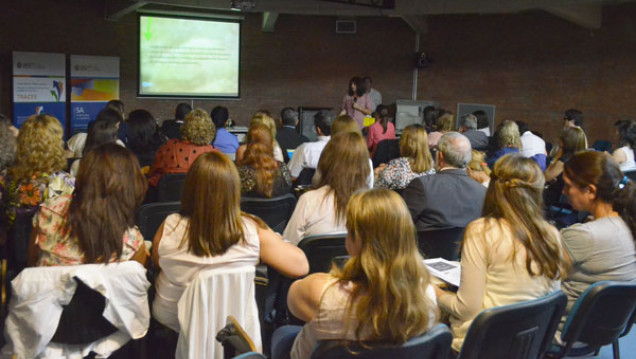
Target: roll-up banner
39 86
94 82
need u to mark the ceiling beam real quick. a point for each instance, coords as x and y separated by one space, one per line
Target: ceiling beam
269 21
587 15
419 23
115 10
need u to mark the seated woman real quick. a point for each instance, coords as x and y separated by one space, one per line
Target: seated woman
38 172
624 155
416 161
382 129
344 123
478 169
445 123
144 138
97 223
261 175
382 293
511 254
267 121
101 131
508 141
177 155
571 141
212 232
602 249
344 169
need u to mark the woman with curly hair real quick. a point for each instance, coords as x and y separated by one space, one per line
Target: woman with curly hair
261 175
38 173
177 155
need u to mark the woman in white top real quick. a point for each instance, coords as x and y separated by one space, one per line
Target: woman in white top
511 254
212 232
382 293
344 169
624 155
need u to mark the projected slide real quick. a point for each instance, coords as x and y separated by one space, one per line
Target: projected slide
188 57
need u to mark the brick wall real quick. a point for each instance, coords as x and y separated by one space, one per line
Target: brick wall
532 66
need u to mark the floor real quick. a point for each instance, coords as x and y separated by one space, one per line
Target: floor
627 346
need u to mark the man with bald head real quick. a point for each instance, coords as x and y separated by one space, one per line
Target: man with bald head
449 198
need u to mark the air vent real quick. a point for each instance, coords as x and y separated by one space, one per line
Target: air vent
345 26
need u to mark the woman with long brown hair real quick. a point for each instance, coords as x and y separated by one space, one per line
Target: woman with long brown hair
344 169
211 232
509 255
261 175
97 223
382 293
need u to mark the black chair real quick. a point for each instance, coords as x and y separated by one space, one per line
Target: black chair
602 314
517 331
602 146
150 216
435 344
631 175
274 211
305 177
323 250
386 151
443 242
170 187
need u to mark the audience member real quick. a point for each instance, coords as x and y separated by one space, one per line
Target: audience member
573 118
176 156
267 121
624 155
416 161
77 142
171 128
344 123
8 146
144 138
449 198
308 154
38 172
431 114
344 169
97 223
602 249
357 102
7 121
468 127
101 131
122 129
532 146
287 136
511 254
478 168
211 232
483 123
443 124
508 141
382 129
261 175
374 95
224 141
571 141
382 294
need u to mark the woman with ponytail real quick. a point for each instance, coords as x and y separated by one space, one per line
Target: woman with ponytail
261 175
602 249
382 129
509 255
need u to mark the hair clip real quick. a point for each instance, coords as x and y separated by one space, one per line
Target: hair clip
623 182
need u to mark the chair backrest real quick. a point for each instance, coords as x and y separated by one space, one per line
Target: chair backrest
386 151
443 242
170 187
518 331
274 211
305 177
435 344
206 303
601 314
150 216
602 145
322 250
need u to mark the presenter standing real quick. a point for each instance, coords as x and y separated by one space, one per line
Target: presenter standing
357 102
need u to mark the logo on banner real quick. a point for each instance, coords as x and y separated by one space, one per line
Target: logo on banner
57 89
39 109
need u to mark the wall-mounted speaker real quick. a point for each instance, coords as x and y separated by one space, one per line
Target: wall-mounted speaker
345 26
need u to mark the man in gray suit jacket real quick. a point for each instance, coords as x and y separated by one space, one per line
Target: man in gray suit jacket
449 198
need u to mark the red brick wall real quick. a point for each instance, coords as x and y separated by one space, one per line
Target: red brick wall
532 66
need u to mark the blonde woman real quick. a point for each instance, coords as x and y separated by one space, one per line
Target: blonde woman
478 168
508 140
38 173
416 161
509 255
382 293
344 123
443 124
267 121
177 155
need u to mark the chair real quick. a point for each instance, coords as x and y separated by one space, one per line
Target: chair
170 187
441 243
274 211
435 344
517 331
602 146
305 177
322 250
386 151
234 339
150 216
603 313
210 298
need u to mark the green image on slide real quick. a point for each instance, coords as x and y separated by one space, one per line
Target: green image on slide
188 57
